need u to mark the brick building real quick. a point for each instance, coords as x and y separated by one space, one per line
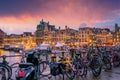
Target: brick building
2 34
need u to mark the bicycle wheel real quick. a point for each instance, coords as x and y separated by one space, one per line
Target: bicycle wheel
116 61
107 63
68 70
85 70
82 69
10 70
5 73
14 65
44 68
96 67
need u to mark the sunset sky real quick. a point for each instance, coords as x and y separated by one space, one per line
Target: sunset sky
17 16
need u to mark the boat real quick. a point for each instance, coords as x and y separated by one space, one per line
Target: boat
6 47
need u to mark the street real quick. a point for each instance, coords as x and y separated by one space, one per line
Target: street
114 74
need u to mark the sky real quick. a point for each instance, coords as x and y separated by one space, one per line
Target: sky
17 16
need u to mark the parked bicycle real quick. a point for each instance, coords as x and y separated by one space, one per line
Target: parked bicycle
116 58
106 60
5 68
31 69
62 66
95 62
80 65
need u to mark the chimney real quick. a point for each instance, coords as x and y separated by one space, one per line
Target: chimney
65 27
59 27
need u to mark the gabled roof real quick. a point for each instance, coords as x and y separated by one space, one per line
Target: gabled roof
2 31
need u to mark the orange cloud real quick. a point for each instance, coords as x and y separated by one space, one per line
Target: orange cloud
17 18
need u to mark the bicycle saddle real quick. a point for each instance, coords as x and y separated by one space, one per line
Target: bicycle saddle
25 65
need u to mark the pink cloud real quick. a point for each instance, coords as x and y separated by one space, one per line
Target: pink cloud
59 13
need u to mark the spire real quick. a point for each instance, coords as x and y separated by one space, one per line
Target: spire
59 27
41 21
48 22
66 27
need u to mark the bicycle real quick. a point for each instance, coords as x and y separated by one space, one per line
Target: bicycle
5 69
116 60
80 65
106 60
41 65
63 66
95 63
35 60
67 68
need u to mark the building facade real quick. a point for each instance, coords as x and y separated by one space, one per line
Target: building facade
49 34
117 35
104 36
43 32
2 35
26 39
84 36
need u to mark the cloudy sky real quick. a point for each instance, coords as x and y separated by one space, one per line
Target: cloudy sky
17 16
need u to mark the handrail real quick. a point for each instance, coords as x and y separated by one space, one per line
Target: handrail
4 56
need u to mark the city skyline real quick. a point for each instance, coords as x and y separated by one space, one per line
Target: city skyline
25 15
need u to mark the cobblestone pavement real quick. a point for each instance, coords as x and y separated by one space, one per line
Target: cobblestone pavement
114 74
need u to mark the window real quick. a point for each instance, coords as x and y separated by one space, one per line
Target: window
82 35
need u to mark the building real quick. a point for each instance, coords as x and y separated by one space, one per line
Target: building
85 35
49 34
12 38
44 29
27 34
98 36
67 36
116 28
117 35
2 35
26 39
82 37
103 36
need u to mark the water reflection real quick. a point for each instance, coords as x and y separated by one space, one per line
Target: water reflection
11 60
1 52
